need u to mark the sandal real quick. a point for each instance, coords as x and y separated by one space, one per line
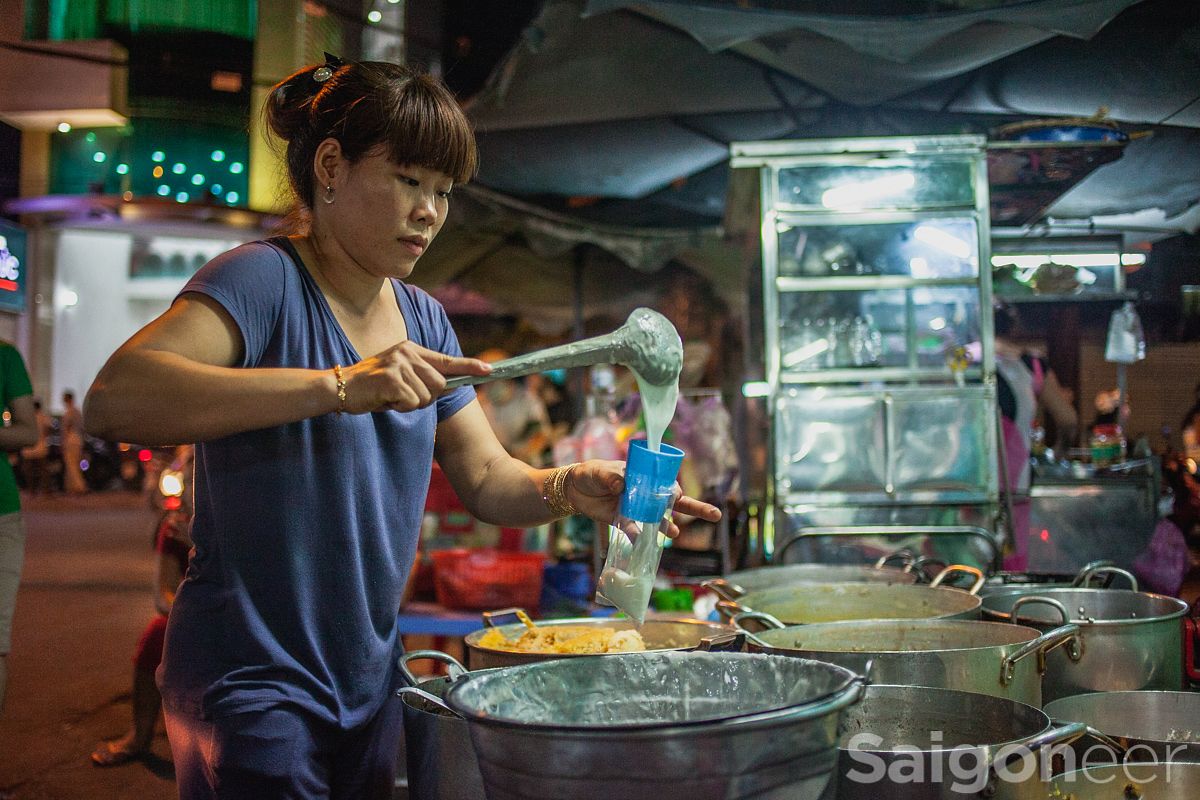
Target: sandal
112 754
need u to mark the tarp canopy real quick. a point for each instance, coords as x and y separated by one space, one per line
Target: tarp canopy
631 107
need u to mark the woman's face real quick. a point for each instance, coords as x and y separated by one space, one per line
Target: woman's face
384 215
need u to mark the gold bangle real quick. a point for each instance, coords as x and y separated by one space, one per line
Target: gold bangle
341 387
554 492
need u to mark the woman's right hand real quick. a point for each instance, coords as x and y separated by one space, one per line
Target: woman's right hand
404 377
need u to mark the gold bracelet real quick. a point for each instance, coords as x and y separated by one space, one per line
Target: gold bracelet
341 387
554 492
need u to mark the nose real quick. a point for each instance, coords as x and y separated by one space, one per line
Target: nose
425 211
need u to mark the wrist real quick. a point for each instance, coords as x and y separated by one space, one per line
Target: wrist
555 489
324 392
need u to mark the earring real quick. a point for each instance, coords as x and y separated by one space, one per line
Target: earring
329 194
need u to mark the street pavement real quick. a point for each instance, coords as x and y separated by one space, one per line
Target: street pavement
85 597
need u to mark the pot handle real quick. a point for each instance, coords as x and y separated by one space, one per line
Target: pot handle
456 669
723 588
1191 642
490 617
732 642
728 609
1049 601
903 555
1062 734
1043 645
427 697
1087 573
928 567
964 569
1091 566
770 621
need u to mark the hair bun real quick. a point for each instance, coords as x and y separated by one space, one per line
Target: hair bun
289 104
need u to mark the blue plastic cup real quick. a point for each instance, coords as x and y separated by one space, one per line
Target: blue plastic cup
649 481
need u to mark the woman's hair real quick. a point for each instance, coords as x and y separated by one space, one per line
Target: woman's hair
1004 318
363 106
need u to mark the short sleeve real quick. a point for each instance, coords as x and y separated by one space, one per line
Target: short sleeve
248 282
16 377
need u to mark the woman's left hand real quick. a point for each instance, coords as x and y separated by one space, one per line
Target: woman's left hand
595 487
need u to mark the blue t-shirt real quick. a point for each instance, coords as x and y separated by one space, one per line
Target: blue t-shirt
304 533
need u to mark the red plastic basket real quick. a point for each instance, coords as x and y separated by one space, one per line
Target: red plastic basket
487 579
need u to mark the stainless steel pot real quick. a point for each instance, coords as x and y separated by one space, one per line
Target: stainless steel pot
1160 726
918 743
736 584
659 635
441 760
833 602
1096 575
1128 782
668 726
988 657
1131 640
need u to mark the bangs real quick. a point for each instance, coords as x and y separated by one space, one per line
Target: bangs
426 127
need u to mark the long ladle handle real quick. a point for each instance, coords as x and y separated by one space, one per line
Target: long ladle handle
584 353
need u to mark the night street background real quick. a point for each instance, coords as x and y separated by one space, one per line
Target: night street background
85 597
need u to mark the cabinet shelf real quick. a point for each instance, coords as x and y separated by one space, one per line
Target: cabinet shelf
867 283
877 374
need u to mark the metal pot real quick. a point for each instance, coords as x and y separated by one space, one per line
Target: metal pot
987 657
1161 726
1098 574
736 584
914 742
659 635
833 602
669 726
1128 782
441 760
1131 640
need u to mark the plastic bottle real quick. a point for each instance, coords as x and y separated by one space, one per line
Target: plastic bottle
638 532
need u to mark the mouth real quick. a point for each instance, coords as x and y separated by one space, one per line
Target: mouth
415 244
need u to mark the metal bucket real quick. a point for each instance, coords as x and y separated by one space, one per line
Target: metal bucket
736 584
1159 726
1128 782
668 726
918 743
441 760
987 657
808 603
1096 575
1131 640
658 634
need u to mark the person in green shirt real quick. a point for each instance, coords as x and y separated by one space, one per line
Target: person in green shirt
16 395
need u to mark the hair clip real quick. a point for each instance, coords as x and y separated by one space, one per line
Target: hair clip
325 72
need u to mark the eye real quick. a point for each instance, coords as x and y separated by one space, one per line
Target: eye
445 195
413 182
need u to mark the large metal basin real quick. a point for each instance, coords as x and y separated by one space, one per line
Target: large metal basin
1128 782
736 584
803 604
659 635
666 726
1131 640
988 657
1160 726
954 741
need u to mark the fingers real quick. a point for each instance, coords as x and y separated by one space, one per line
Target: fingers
452 365
698 508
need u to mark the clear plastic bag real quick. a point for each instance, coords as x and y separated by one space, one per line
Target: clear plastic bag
1126 342
638 533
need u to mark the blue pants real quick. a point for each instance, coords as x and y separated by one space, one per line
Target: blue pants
284 753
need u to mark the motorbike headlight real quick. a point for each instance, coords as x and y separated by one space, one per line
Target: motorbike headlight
171 483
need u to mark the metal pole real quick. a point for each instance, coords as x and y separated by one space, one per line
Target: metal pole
577 376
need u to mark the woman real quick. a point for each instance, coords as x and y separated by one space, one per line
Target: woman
314 381
1025 387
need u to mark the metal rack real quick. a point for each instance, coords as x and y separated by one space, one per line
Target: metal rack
876 276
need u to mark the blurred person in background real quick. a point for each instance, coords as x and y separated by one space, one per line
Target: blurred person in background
516 413
313 379
16 395
35 458
172 545
71 431
1026 389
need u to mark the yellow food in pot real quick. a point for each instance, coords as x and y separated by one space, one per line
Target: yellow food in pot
566 640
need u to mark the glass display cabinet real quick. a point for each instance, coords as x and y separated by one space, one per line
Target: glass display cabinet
878 337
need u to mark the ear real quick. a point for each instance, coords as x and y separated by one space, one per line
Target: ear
328 163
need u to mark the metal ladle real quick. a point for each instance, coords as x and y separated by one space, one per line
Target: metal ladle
647 343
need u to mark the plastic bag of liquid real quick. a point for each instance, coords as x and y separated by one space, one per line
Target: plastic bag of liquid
1126 341
638 533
